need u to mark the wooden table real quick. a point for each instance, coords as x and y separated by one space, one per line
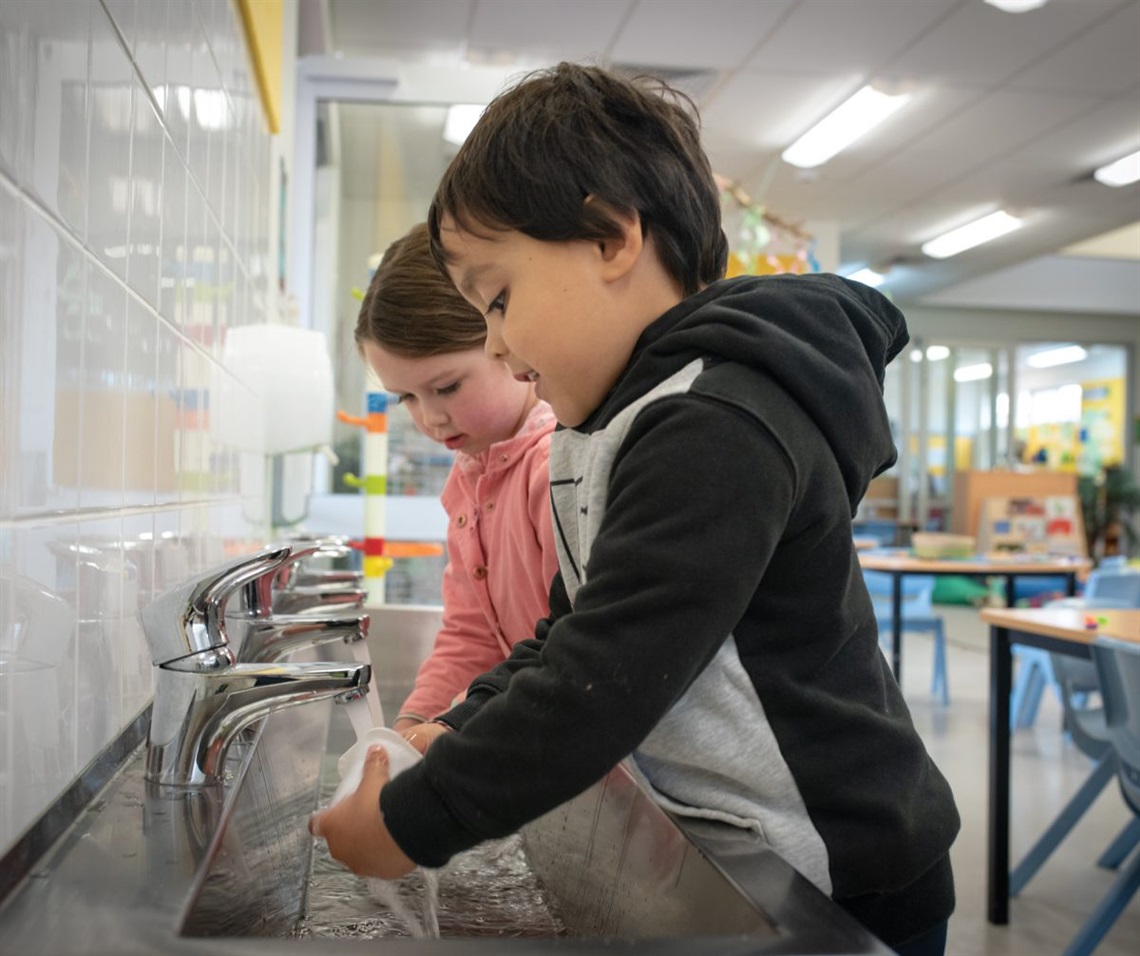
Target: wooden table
865 543
1062 631
899 564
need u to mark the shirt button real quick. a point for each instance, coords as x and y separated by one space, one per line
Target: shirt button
461 521
489 506
479 572
504 457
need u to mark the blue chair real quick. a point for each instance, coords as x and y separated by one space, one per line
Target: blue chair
1118 665
917 615
1111 586
1087 727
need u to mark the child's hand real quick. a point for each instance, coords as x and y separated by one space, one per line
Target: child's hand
354 829
422 735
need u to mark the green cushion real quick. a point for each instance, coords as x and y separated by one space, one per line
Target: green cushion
951 589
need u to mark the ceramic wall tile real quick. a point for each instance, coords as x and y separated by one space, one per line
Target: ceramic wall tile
45 359
150 45
172 259
40 723
124 201
179 81
143 431
11 335
101 400
146 201
109 149
192 422
58 172
123 15
104 578
168 387
18 40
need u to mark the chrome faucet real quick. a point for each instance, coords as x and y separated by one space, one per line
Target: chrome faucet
300 588
203 696
271 638
258 633
318 600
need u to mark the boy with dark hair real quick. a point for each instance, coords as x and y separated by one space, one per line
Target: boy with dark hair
709 621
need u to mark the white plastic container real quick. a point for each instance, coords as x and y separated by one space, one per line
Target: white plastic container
278 395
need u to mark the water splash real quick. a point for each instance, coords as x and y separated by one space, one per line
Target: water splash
389 894
489 891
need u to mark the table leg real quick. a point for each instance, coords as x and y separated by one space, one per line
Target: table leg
1010 597
1071 583
1001 671
896 626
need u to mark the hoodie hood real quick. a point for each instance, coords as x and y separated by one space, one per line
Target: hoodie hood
825 339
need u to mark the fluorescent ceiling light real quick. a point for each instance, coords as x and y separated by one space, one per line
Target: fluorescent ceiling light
916 355
972 234
1058 356
1121 173
936 353
840 128
1017 6
973 373
868 277
461 119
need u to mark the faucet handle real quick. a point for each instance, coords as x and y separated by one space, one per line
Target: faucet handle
189 618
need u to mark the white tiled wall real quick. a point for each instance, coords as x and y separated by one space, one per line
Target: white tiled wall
134 218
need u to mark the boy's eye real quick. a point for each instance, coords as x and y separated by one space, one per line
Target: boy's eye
400 399
448 389
499 304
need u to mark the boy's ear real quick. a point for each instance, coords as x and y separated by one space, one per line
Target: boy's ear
620 253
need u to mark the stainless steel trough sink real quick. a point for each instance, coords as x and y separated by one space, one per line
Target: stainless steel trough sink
152 869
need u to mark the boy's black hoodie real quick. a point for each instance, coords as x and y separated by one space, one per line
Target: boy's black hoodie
709 620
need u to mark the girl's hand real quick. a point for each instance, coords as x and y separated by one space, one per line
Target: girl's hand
354 829
421 735
405 723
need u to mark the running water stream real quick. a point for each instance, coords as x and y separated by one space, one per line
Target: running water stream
373 711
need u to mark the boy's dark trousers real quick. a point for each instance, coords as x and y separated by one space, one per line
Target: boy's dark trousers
930 943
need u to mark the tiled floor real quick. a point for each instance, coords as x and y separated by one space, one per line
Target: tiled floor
1046 770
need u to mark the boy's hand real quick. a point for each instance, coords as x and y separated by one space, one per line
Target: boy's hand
354 829
421 736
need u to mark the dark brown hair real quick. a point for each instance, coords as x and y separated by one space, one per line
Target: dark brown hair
573 131
412 309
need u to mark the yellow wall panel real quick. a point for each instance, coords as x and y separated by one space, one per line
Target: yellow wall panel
263 21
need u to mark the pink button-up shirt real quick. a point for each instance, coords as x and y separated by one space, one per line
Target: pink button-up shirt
501 559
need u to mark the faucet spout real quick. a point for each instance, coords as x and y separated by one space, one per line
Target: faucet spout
202 702
318 600
271 638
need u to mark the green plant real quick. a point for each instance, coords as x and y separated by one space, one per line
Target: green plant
1110 502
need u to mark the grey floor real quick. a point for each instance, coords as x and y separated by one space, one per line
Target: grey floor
1046 770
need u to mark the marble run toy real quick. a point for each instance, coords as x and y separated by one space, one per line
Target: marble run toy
378 551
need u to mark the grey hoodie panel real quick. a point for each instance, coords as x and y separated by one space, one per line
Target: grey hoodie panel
684 760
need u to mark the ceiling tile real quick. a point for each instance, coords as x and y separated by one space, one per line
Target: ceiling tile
715 34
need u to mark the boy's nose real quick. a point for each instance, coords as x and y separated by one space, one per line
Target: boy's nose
493 346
